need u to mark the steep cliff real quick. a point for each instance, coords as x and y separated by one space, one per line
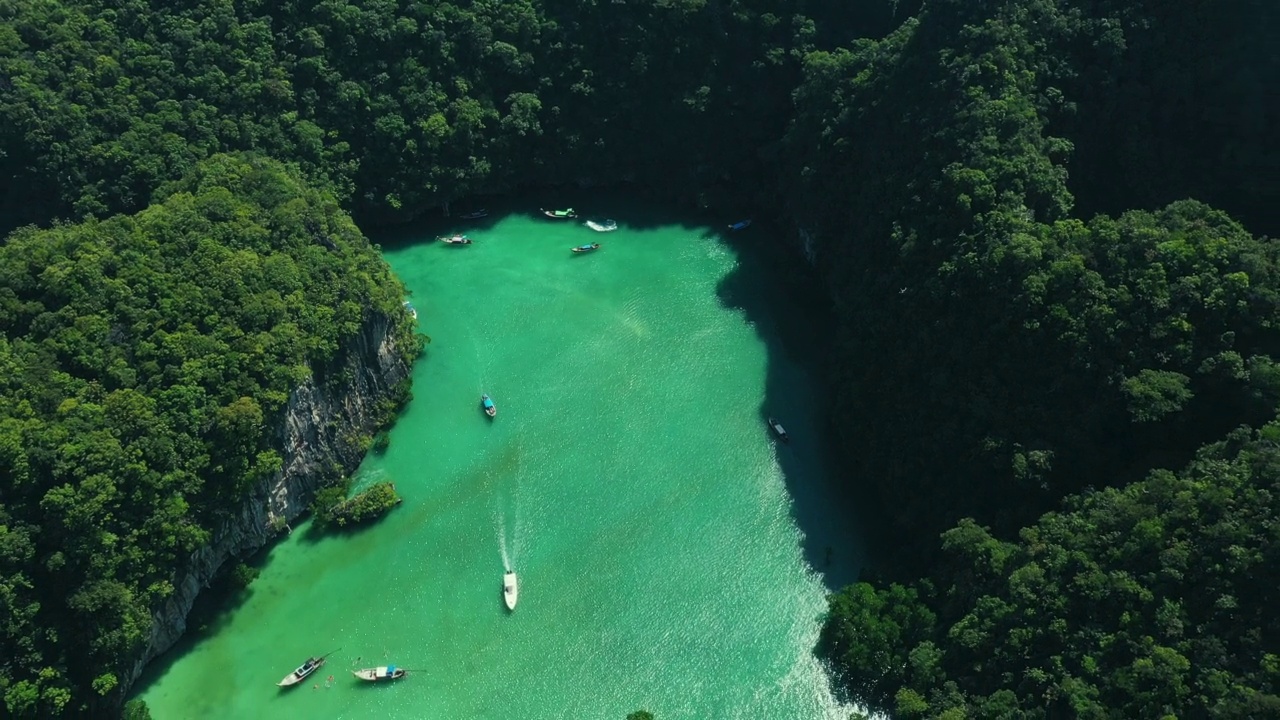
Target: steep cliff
318 432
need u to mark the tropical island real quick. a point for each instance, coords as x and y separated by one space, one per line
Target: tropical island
1043 228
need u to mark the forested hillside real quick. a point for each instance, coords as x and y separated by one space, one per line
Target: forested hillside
1017 357
144 361
396 105
1042 328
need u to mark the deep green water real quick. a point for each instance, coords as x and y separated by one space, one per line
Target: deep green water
671 556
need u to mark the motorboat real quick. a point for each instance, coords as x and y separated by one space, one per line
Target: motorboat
489 408
509 589
740 225
456 240
566 214
587 248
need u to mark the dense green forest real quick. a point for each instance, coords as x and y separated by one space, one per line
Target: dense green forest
1055 362
1041 379
145 359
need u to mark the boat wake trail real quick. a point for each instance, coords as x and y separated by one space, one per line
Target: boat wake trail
502 544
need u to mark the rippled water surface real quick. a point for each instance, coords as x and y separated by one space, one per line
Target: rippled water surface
629 478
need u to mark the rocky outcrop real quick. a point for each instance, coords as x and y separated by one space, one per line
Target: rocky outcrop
315 439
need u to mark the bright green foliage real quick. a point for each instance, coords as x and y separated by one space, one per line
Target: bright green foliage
145 362
366 505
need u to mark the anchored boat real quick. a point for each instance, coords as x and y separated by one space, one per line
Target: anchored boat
741 224
379 674
509 590
456 240
489 408
566 214
778 430
476 215
311 665
587 248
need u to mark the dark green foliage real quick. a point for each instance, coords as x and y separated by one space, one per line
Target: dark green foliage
1175 100
973 305
243 575
366 505
381 442
328 497
999 355
871 633
136 710
1143 601
397 105
640 715
144 361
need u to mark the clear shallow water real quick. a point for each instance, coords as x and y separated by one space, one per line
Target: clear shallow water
629 479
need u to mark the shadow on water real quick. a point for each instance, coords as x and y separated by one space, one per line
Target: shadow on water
630 206
210 613
785 302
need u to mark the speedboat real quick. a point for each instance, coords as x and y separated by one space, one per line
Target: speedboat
305 669
476 215
412 310
509 589
456 240
378 674
605 226
778 430
587 248
741 224
489 408
566 214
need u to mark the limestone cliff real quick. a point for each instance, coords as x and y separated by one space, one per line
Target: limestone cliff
314 436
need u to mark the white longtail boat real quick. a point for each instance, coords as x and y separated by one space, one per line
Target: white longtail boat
305 669
378 674
509 589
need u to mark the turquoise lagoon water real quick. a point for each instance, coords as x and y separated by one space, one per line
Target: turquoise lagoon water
672 556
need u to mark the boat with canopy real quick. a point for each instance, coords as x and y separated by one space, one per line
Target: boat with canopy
380 674
305 669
